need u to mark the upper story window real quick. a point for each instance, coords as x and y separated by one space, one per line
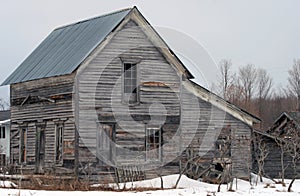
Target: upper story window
130 91
2 132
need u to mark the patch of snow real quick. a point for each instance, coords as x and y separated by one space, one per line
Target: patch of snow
7 184
4 121
186 186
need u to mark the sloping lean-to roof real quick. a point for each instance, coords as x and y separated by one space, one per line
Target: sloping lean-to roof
66 48
4 115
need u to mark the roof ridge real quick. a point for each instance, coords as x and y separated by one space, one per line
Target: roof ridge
93 18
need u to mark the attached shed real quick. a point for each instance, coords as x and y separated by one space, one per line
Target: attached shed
275 140
105 94
4 137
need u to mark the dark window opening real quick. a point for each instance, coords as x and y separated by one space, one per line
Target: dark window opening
153 144
130 83
23 145
59 143
223 143
2 132
2 159
219 167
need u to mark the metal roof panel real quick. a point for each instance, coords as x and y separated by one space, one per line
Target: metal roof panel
66 48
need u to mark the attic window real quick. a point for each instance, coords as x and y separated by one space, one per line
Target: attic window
130 92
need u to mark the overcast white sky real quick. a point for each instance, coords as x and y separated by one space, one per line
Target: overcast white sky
265 33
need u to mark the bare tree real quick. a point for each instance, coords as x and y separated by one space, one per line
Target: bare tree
264 86
292 140
3 104
247 77
223 157
226 76
283 149
294 80
234 92
260 153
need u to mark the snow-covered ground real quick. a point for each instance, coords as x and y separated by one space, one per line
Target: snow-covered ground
186 187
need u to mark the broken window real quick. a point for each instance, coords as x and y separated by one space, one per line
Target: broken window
223 143
130 93
2 132
153 144
59 143
23 145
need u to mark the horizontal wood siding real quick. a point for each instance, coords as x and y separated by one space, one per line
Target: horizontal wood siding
201 125
44 101
100 98
272 165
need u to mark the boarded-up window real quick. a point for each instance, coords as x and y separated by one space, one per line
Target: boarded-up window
105 142
59 135
23 145
153 144
130 83
2 132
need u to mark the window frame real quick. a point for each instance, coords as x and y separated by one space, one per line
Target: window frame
2 132
224 141
23 143
3 159
125 95
148 148
99 141
59 126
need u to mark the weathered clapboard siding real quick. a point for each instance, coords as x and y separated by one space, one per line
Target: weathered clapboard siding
272 166
100 96
44 101
100 90
91 106
201 125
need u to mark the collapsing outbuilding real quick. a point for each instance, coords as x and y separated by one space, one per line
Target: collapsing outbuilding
281 145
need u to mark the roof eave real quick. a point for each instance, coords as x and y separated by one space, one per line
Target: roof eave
227 106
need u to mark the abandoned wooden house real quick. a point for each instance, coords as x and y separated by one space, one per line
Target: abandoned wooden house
108 93
279 153
4 137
